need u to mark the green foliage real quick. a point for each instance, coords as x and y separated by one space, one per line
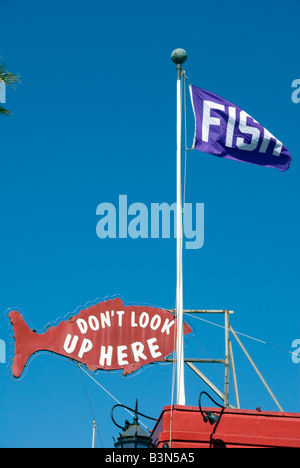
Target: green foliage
4 111
9 79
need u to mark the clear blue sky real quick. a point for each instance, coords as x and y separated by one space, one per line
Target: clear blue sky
94 117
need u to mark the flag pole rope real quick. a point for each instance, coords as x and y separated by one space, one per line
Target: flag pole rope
185 133
103 388
185 139
190 85
246 336
90 403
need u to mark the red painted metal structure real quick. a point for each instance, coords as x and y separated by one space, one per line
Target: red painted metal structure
184 428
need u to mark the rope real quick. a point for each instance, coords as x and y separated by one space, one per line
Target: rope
186 149
243 334
185 141
101 386
90 403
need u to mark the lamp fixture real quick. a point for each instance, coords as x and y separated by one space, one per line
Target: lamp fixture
212 418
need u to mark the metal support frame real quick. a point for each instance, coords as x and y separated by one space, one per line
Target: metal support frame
256 370
226 361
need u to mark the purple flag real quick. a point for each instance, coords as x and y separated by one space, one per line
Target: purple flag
227 131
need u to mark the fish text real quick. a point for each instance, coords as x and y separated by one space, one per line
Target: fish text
262 136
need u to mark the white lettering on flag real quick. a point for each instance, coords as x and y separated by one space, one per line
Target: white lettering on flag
227 131
244 128
207 119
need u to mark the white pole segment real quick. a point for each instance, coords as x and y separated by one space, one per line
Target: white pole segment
179 233
94 434
179 56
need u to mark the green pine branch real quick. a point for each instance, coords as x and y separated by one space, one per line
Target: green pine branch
10 79
4 111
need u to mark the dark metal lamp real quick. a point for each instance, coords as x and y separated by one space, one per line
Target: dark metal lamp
212 418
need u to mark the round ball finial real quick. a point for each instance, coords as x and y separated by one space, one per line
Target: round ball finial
179 56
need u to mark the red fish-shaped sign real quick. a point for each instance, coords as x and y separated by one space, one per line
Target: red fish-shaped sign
108 335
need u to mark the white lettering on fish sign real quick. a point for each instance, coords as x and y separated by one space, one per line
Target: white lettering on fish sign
142 321
122 355
167 325
137 349
86 346
70 348
153 348
118 355
94 323
105 319
71 343
106 356
120 314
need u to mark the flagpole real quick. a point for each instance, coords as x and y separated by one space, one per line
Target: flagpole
94 434
179 56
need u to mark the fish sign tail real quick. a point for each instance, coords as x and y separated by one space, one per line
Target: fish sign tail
25 343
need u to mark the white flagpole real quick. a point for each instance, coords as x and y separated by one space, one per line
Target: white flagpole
179 56
94 434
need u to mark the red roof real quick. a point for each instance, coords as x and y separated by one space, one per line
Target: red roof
184 428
